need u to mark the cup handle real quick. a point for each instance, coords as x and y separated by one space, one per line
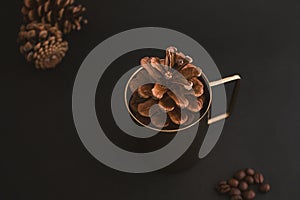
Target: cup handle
236 88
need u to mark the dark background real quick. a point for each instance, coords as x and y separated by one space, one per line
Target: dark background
42 156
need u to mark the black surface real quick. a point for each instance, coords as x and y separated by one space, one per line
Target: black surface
42 156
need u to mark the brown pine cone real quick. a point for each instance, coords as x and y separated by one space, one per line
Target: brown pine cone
61 13
177 94
42 44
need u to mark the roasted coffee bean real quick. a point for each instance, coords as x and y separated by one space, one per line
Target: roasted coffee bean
258 178
223 187
234 192
239 175
249 180
222 183
250 171
264 187
236 197
233 182
243 186
249 194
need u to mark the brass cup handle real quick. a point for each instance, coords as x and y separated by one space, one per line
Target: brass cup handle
232 102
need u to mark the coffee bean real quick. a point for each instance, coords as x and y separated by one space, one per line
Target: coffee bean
264 187
223 187
258 178
236 197
249 179
249 194
239 175
233 182
250 171
243 186
234 192
222 182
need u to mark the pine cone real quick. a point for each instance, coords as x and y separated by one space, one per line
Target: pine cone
61 13
42 44
186 84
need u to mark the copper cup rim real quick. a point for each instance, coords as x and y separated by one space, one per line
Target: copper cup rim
168 130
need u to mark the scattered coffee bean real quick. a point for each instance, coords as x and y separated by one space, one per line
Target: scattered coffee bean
243 186
249 180
265 187
233 182
258 178
240 186
239 175
234 192
237 197
250 171
249 194
223 187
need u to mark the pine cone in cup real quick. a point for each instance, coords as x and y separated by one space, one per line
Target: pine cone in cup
42 44
175 87
63 14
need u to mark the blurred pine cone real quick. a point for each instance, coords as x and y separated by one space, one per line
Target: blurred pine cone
61 13
164 73
42 44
